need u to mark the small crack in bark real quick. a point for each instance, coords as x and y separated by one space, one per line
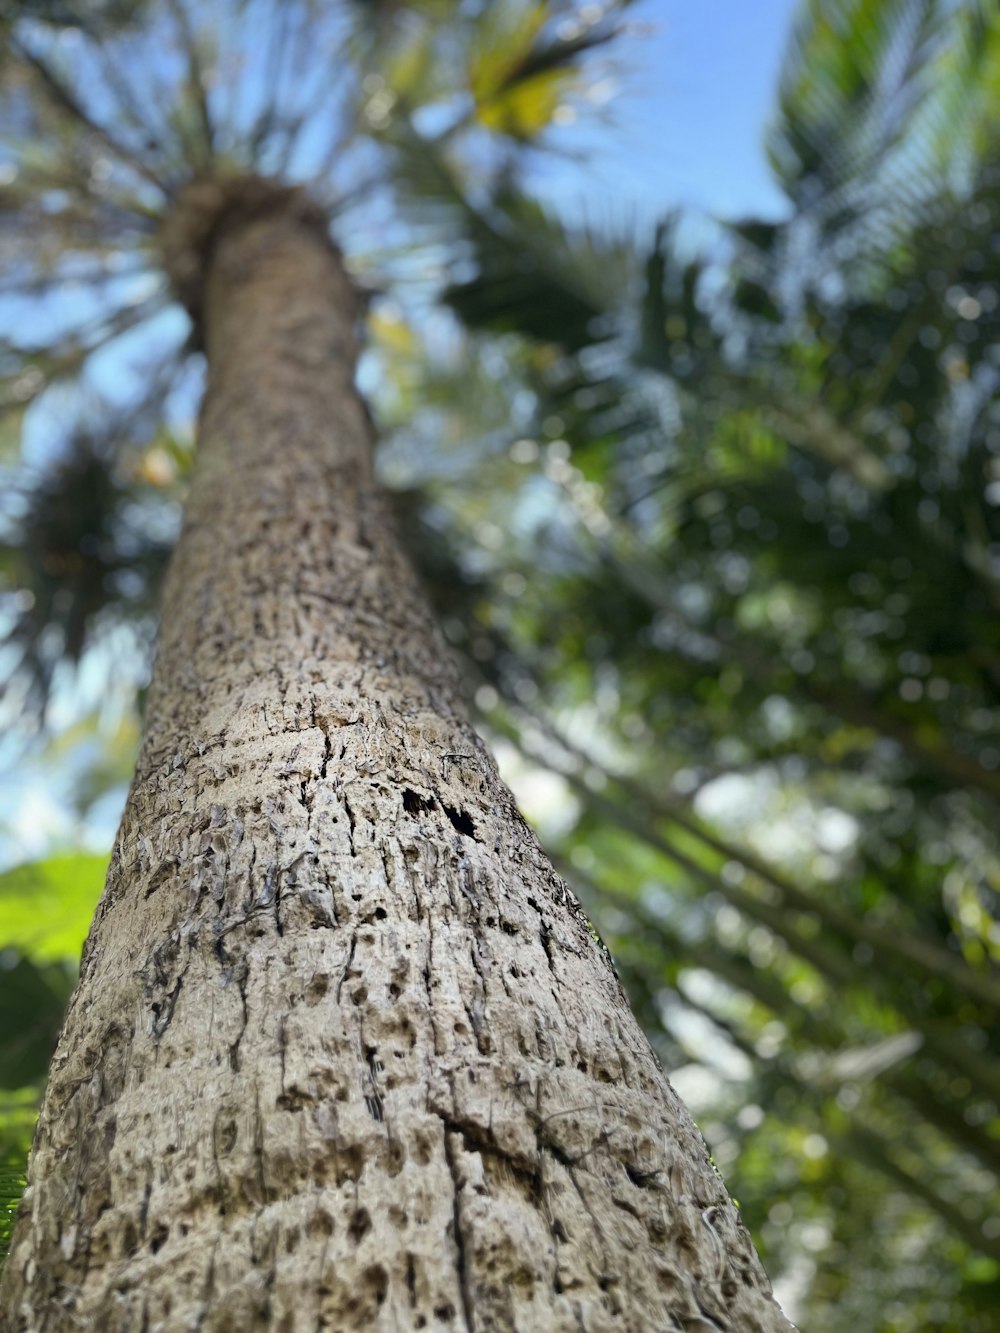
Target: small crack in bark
464 1276
163 1010
347 964
351 821
281 1051
240 976
428 971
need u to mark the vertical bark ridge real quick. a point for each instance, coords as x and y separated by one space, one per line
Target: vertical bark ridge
345 1053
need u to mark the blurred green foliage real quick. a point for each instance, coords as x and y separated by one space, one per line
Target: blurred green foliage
712 516
45 913
47 906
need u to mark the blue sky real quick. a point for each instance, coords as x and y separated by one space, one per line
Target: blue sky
698 81
715 64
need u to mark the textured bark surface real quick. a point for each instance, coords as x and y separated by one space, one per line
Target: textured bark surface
345 1053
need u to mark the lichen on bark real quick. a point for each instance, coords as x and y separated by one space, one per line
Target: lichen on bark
344 1053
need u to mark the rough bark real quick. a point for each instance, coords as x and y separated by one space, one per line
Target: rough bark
345 1053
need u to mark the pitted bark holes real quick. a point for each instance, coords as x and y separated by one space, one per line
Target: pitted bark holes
415 804
461 820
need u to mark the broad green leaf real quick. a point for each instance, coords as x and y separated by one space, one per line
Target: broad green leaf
502 42
46 906
526 107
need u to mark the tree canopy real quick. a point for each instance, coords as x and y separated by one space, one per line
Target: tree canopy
710 514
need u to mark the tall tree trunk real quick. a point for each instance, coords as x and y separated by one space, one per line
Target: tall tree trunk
345 1053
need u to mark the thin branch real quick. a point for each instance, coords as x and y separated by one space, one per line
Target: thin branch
196 78
944 1045
78 343
265 122
924 954
97 276
128 101
63 98
872 1148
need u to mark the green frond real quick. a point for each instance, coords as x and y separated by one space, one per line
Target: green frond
82 551
540 276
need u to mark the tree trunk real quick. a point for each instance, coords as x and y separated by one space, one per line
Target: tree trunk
345 1053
